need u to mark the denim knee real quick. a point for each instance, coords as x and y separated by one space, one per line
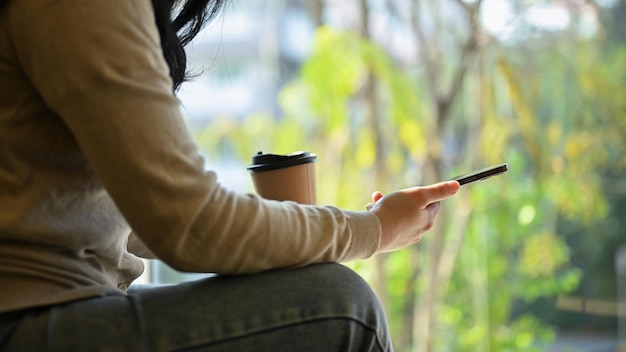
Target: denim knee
326 307
342 284
348 294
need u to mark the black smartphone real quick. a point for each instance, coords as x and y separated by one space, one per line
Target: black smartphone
482 174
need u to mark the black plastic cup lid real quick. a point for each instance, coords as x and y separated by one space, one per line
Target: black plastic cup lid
267 162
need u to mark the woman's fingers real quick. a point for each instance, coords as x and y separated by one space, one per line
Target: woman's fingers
406 214
376 196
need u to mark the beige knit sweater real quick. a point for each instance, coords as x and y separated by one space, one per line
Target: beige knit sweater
92 145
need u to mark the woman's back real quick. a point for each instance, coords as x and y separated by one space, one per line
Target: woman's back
61 235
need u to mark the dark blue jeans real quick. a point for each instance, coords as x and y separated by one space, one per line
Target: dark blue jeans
325 307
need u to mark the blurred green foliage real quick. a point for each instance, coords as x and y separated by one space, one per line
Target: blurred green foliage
556 114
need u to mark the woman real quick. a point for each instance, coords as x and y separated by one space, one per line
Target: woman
92 145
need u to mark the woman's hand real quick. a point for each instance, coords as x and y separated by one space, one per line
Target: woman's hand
406 214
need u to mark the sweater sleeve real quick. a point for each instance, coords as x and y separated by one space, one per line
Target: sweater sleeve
97 64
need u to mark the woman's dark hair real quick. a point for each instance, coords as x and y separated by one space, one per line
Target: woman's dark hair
178 21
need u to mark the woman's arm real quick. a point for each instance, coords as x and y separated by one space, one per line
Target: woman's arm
136 246
98 66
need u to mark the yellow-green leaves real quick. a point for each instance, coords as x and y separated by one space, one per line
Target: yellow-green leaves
542 255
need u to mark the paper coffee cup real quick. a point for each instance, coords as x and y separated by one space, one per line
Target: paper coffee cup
285 177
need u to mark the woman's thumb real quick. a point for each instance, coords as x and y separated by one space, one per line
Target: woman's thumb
440 191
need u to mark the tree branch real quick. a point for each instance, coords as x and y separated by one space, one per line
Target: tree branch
469 49
430 68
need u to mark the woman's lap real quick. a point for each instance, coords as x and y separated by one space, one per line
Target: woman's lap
323 307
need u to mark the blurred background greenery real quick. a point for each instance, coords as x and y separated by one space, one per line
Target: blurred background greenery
397 93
